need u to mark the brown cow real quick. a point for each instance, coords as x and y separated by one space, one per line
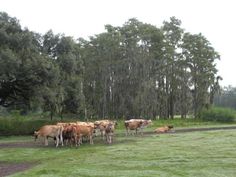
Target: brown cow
86 130
164 129
77 135
71 133
53 131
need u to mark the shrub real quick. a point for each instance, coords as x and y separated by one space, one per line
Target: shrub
218 114
16 126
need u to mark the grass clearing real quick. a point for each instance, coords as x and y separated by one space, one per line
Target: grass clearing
206 153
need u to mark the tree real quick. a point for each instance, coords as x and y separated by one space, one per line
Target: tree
173 38
134 70
23 67
226 97
200 58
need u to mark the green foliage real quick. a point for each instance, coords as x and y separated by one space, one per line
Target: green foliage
131 71
20 126
218 114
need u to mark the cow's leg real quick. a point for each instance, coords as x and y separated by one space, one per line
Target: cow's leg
109 138
91 139
141 131
61 139
112 137
128 131
103 134
57 141
66 141
78 140
46 141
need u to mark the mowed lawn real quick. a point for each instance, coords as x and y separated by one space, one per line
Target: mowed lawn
206 153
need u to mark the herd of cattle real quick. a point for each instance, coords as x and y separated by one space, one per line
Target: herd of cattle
76 132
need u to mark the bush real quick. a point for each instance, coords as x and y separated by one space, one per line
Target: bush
16 126
218 114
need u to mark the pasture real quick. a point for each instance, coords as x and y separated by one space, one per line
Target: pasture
199 153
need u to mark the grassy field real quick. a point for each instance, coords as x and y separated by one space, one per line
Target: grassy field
206 153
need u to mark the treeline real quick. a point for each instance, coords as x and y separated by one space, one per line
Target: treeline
226 97
136 70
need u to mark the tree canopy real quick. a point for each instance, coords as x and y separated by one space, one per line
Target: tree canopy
134 70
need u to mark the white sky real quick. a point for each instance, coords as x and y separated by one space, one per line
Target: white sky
215 19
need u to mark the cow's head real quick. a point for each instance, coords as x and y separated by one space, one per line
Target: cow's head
150 122
147 122
170 126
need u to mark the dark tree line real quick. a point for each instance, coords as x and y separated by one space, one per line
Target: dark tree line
136 70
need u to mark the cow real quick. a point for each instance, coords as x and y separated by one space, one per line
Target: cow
101 125
53 131
109 132
132 125
164 129
76 133
136 124
86 130
71 134
145 123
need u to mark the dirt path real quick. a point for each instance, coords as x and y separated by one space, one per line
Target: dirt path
8 169
186 130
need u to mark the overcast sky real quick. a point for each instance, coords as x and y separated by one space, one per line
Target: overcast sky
215 19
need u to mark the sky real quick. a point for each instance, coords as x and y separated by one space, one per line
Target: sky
215 19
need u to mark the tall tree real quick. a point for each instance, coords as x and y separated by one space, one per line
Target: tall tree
23 68
173 37
200 58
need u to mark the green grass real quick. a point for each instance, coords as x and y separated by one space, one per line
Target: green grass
209 153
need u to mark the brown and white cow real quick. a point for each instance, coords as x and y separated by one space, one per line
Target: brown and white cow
132 125
109 132
100 125
164 129
53 131
136 124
